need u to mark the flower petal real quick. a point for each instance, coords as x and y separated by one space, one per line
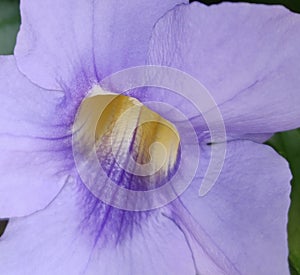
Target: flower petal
238 228
75 41
31 143
153 246
245 213
246 55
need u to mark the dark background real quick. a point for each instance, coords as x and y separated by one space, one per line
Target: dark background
287 143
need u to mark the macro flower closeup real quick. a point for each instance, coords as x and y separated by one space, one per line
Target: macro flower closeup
64 105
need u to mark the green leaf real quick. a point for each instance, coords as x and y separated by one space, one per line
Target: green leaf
293 270
9 25
288 145
293 5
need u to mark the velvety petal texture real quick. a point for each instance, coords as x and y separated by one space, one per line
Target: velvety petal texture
245 213
247 56
62 43
33 139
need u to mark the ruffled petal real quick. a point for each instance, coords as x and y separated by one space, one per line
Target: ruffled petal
74 42
33 143
246 55
245 213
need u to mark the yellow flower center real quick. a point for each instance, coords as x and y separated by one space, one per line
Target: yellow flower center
141 141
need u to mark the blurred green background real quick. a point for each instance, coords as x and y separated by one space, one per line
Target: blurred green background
287 143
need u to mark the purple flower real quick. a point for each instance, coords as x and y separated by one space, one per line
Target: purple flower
247 56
